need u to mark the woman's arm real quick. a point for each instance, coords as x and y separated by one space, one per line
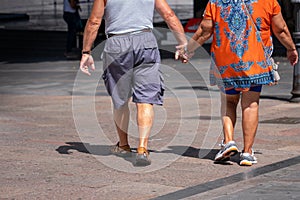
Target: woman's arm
203 33
282 33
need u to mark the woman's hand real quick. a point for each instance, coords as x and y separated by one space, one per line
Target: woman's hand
292 56
182 53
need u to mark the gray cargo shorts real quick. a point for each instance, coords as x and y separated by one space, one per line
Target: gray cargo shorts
131 69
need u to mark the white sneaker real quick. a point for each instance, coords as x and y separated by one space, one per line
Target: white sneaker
247 159
227 150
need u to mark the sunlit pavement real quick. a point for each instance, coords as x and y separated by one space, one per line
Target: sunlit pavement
56 128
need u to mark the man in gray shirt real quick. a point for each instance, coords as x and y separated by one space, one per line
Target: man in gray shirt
131 63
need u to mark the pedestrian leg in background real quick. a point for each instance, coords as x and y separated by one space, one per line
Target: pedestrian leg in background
70 19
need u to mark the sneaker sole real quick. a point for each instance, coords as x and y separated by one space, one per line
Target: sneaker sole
246 163
142 161
227 154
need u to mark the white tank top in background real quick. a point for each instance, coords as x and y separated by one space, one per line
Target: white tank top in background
124 16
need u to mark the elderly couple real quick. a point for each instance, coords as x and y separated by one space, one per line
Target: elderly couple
241 55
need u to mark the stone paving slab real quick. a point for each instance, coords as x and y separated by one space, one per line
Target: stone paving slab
51 151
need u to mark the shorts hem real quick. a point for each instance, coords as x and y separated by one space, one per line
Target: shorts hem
149 102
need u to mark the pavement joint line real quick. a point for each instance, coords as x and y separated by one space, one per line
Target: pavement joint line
218 183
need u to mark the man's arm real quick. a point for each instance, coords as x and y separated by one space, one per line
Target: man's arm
282 33
90 34
172 20
93 24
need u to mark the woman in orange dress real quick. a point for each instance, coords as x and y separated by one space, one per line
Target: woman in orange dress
240 51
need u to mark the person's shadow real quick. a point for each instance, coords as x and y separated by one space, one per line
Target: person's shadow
208 154
105 150
101 150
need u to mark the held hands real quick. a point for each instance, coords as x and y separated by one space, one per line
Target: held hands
182 53
87 62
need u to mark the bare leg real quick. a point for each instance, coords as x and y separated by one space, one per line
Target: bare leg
121 118
145 115
228 113
250 107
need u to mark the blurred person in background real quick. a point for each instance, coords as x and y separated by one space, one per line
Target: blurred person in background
72 18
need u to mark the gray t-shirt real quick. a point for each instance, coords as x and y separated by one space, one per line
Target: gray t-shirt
124 16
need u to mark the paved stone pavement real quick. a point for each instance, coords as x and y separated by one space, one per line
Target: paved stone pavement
56 129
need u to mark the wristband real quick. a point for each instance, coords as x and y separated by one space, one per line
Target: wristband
86 52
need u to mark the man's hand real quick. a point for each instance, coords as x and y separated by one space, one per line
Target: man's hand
87 62
182 53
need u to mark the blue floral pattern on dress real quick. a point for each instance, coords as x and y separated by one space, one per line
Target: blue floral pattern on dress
218 37
242 66
222 69
244 82
262 64
236 18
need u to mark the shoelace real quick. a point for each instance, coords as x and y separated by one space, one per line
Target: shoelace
222 144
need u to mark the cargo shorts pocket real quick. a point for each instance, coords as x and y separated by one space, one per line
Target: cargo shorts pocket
151 52
111 52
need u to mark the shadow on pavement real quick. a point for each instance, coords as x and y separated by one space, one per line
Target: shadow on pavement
207 154
101 150
277 97
104 150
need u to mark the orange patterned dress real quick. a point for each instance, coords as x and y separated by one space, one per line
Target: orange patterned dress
239 59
